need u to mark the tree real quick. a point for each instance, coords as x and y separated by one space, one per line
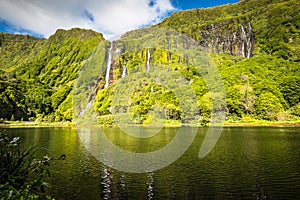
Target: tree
268 106
290 89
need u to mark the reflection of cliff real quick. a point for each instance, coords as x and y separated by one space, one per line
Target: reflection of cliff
222 37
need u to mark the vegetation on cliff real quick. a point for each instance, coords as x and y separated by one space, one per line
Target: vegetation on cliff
37 75
253 43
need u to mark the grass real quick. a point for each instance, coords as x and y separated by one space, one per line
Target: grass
35 124
226 124
263 123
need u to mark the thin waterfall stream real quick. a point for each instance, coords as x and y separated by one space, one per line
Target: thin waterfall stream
169 53
124 72
109 61
88 106
148 60
107 76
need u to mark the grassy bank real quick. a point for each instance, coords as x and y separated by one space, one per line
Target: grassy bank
264 123
174 124
35 124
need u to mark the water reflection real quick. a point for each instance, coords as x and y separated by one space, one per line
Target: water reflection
106 184
247 163
123 182
117 157
149 183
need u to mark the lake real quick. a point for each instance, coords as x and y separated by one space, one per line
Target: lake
246 163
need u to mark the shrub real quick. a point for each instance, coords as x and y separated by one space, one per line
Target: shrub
268 106
106 120
21 175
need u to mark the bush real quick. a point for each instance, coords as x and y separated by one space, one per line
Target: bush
295 110
106 120
21 175
268 106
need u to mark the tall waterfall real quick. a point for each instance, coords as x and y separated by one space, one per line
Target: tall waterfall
244 37
124 71
249 41
109 61
148 60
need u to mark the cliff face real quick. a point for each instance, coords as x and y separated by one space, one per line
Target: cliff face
232 34
244 28
37 75
220 38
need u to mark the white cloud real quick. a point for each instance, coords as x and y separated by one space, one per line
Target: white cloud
111 17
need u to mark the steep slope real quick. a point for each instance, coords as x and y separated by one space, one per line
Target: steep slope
275 25
254 43
37 75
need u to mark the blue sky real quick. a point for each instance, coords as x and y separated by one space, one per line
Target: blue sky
189 4
111 17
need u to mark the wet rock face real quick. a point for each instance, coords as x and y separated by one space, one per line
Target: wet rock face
237 40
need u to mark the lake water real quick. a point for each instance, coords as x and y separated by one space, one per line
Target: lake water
246 163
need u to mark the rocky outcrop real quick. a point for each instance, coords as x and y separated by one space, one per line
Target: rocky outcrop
237 40
232 37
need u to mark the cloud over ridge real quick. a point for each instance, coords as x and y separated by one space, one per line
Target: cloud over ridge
111 17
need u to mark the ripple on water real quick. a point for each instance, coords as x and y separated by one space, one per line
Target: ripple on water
246 163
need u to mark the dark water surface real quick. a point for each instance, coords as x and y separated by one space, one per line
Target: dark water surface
246 163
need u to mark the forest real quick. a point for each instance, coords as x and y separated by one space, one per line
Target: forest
254 44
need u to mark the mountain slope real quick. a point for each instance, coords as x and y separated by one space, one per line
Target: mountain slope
275 24
254 44
37 75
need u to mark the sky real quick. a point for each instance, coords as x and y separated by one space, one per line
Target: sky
41 18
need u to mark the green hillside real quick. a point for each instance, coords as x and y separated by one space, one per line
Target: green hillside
254 44
265 86
37 75
275 24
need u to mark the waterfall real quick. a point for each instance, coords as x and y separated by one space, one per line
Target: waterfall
169 58
109 61
186 45
249 42
169 54
247 39
249 48
82 113
229 44
87 107
124 71
176 44
148 60
243 38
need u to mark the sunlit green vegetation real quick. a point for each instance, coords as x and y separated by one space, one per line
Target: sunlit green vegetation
263 87
37 76
22 175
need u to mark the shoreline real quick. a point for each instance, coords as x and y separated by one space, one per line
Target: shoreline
271 124
28 124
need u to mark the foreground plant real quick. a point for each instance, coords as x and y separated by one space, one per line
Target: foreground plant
21 175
